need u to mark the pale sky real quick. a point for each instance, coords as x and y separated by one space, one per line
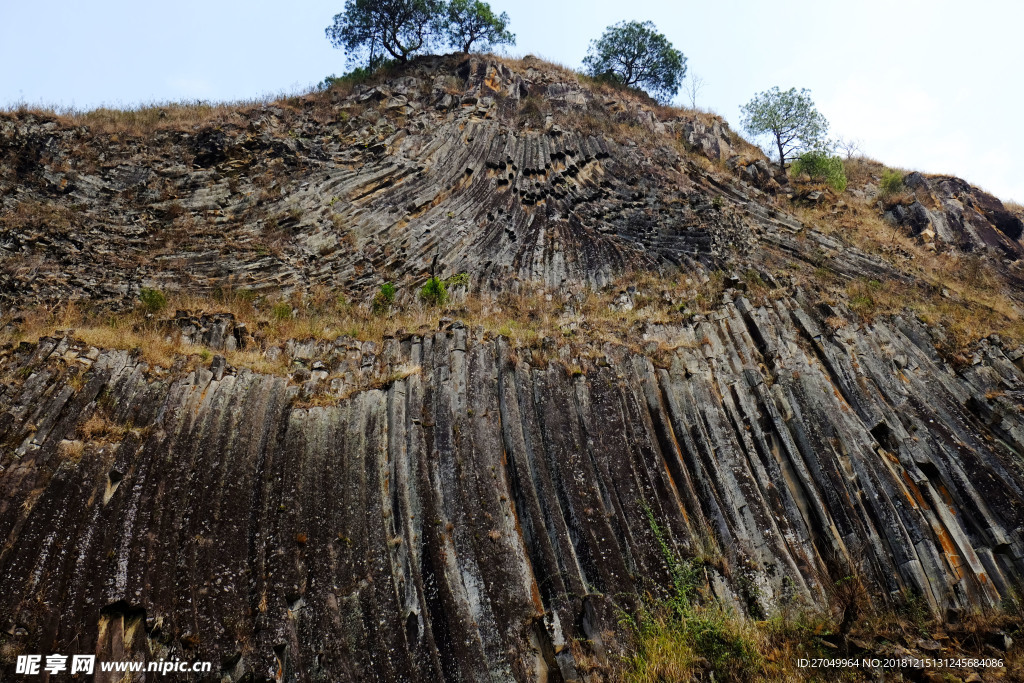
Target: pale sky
927 85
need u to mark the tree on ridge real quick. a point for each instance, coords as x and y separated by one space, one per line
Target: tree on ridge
790 117
634 54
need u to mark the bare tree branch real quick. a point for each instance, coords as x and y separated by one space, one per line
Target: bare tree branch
692 87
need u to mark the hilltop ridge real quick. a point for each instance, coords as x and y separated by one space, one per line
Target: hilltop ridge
515 173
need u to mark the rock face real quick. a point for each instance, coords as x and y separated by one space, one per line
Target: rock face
507 176
950 211
446 506
480 510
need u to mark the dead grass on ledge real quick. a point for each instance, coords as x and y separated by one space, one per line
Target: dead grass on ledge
146 119
962 293
143 119
526 319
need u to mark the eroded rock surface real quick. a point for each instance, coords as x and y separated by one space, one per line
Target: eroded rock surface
514 178
950 211
479 508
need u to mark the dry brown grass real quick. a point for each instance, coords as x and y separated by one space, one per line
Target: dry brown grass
600 122
523 63
101 429
861 170
71 450
323 396
666 112
169 116
962 293
585 318
144 119
31 214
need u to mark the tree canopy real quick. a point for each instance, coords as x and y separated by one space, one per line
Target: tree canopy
471 21
370 30
373 31
636 55
790 118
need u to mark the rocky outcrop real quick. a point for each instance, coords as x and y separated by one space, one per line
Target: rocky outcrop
475 511
507 176
218 331
947 210
757 172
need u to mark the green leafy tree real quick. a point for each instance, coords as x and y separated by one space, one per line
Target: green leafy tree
471 21
636 55
372 30
790 118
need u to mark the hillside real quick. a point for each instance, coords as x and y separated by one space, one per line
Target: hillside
654 353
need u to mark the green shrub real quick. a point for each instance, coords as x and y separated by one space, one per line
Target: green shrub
458 280
282 310
677 635
720 639
914 607
892 183
153 300
360 74
435 292
822 166
383 299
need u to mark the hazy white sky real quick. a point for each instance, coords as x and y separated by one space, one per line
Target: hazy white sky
934 86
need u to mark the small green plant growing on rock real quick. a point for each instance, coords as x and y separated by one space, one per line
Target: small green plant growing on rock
676 636
434 292
823 167
458 280
282 310
383 299
892 183
153 300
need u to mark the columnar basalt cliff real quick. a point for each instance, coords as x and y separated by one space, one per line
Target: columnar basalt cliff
377 185
445 504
